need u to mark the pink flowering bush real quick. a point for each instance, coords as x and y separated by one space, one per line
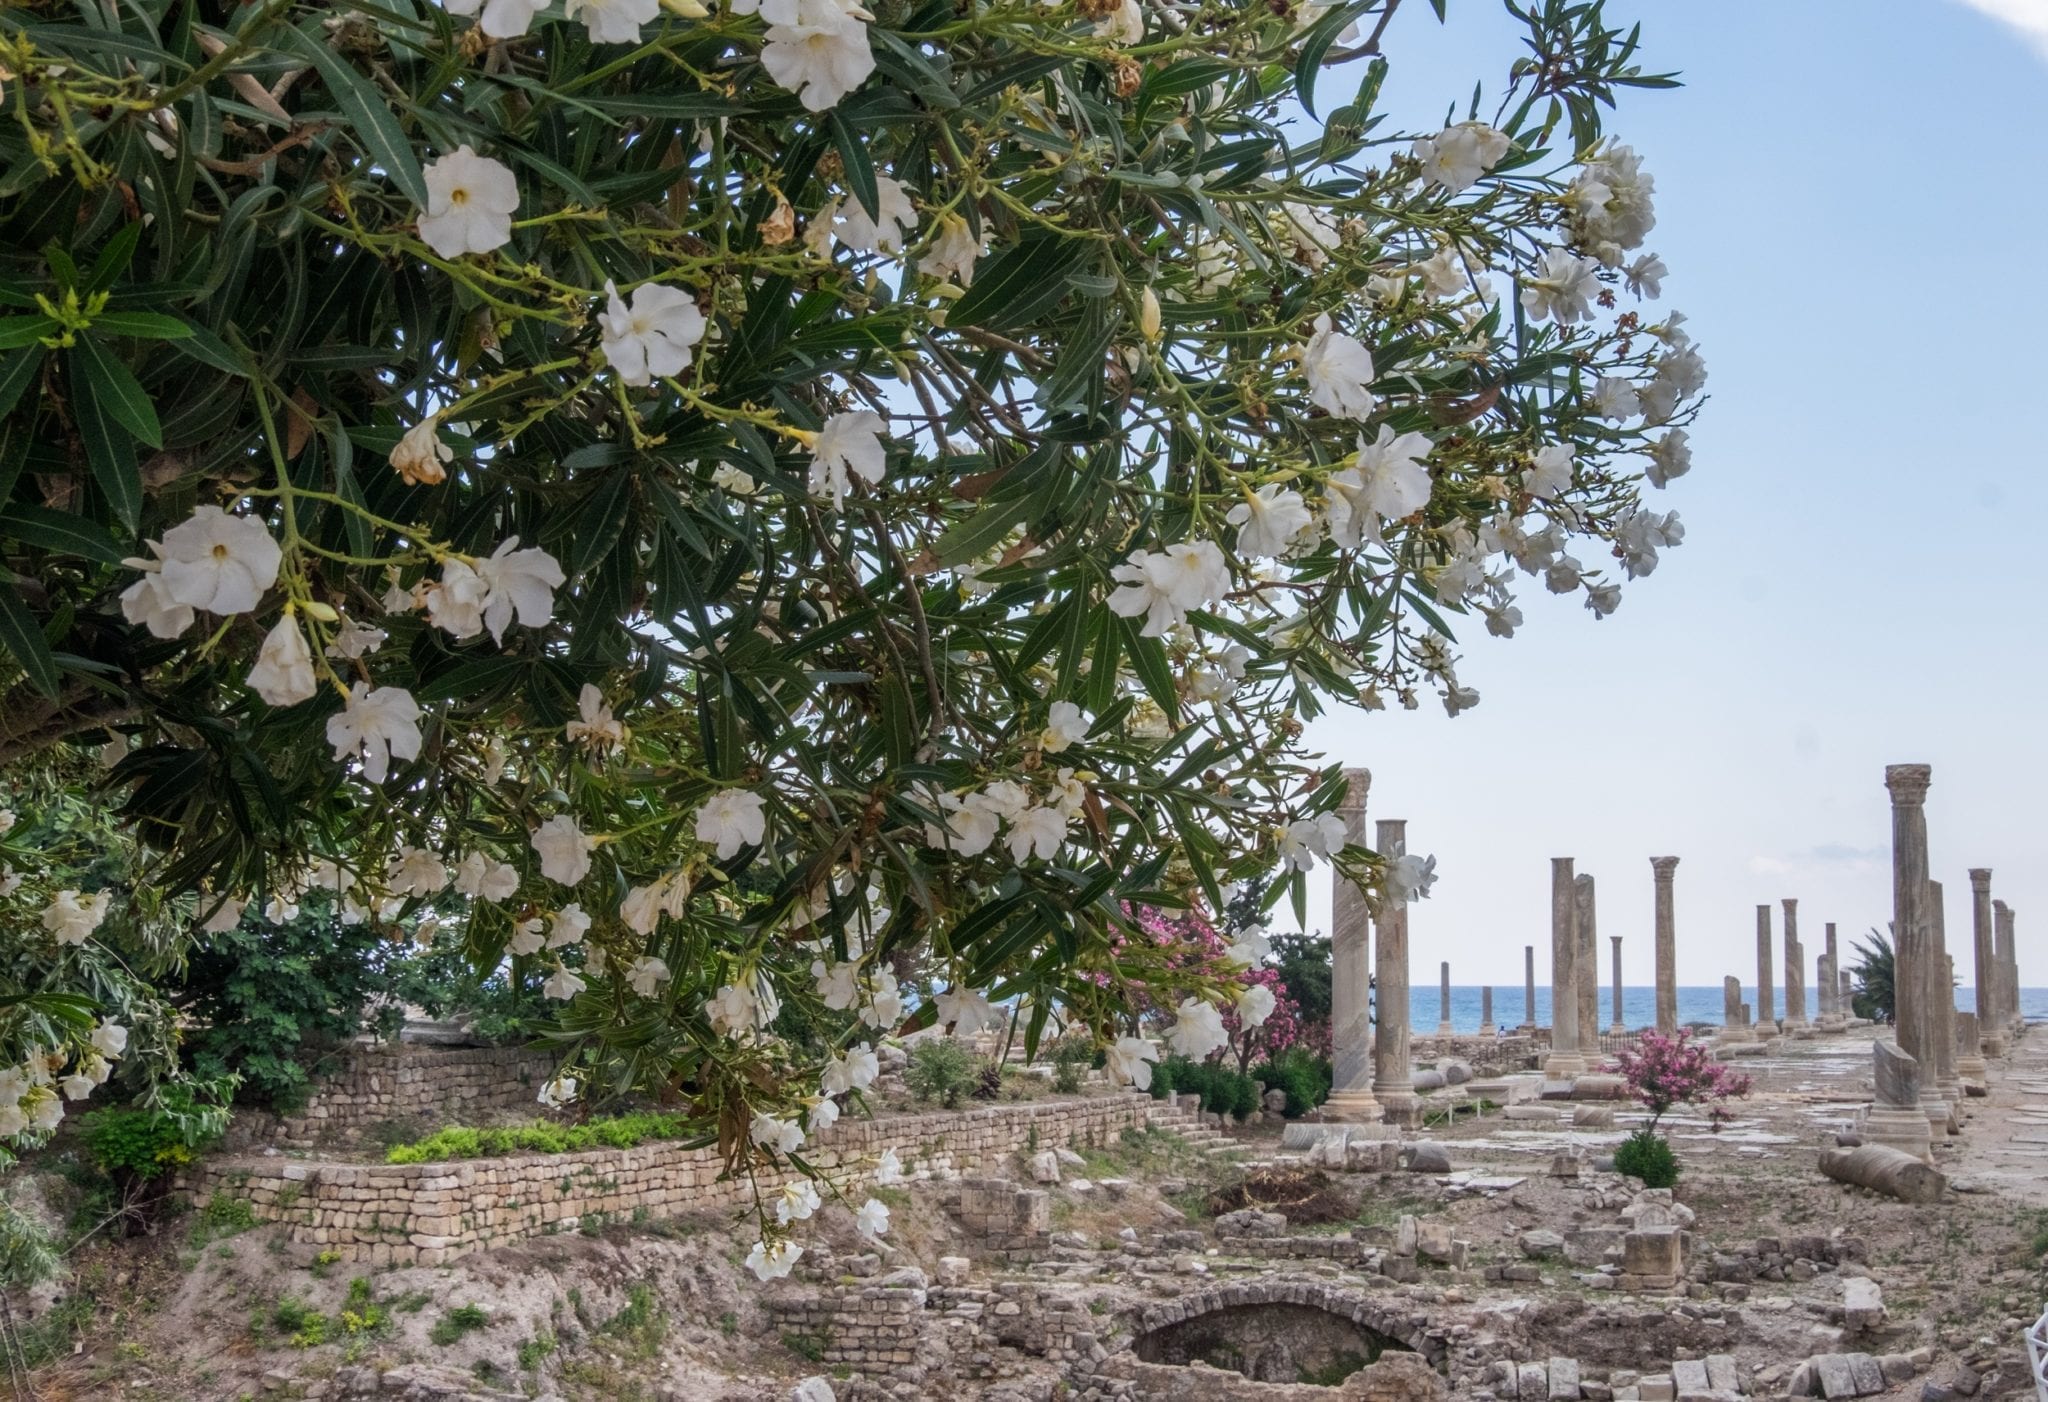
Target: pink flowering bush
1197 953
1667 1071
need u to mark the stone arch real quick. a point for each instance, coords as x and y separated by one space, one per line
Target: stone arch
1383 1316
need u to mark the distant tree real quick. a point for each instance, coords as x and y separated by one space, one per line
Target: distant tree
1873 973
1303 963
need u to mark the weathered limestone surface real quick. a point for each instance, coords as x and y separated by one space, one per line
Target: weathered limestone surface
1896 1119
2008 967
1795 968
427 1086
1351 1060
1734 1021
1393 1081
1664 870
427 1214
1883 1169
1617 1027
1766 1019
1913 976
1586 962
1564 1060
1987 974
1942 1026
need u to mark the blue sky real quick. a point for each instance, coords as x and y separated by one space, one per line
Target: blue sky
1850 203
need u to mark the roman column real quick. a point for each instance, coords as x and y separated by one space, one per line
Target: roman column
1486 1027
1617 1027
1529 989
1443 1017
1393 1079
1848 993
1766 1020
1795 969
1564 1061
1663 869
1895 1117
1912 979
2008 969
1586 963
1943 1026
1984 961
1351 1058
1734 1026
1838 1006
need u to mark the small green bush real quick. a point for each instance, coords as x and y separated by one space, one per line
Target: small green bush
943 1070
1221 1089
1072 1058
1647 1156
540 1137
1304 1076
133 1145
453 1324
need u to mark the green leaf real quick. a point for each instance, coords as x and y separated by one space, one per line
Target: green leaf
1021 281
144 326
108 448
17 373
115 387
114 258
369 116
1318 43
18 331
860 171
59 531
20 636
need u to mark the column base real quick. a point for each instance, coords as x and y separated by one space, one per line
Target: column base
1733 1033
1994 1045
1904 1130
1444 1029
1941 1116
1563 1066
1352 1107
1972 1068
1399 1106
1616 1029
1486 1029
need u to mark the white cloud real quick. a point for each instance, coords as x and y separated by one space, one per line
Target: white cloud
2029 17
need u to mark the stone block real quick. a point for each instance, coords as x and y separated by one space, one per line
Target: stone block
1564 1380
1426 1156
1593 1117
1434 1240
952 1271
1044 1167
1862 1304
1653 1251
1532 1383
1658 1387
1593 1246
1542 1245
1689 1375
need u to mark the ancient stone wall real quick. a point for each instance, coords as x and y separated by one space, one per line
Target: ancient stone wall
426 1214
408 1084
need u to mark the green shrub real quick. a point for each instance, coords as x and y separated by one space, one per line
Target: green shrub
453 1324
1221 1089
1304 1076
1073 1057
1647 1156
540 1137
943 1070
133 1145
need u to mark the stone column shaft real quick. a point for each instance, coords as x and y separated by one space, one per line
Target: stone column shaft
1795 968
1529 986
1765 1017
1617 1027
1351 1060
1564 1060
1838 1007
1443 1017
1586 962
1664 869
1486 1028
1913 1016
1943 1026
2008 968
1393 1081
1986 973
1734 1024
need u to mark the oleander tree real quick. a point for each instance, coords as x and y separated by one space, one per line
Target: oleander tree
779 500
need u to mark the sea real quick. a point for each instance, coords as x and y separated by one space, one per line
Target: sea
1696 1003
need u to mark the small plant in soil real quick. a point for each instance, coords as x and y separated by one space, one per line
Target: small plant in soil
453 1324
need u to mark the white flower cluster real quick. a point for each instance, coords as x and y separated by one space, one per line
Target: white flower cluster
29 1093
1029 827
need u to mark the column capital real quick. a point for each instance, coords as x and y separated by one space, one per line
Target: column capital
1791 903
1980 878
1357 783
2000 907
1663 866
1616 939
1908 783
1763 915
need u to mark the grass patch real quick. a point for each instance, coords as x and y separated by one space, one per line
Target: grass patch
809 1347
640 1325
453 1324
540 1137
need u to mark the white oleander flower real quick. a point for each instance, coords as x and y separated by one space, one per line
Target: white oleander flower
613 21
1308 838
1165 585
218 562
731 819
1550 472
1064 725
421 457
1130 1061
72 916
647 974
967 1010
1254 1006
414 871
970 825
485 878
517 582
1036 831
848 447
1458 155
1612 205
377 725
1645 276
772 1262
1408 878
281 910
595 726
354 640
1123 25
1615 397
10 880
1339 371
733 1011
1669 457
562 985
45 1111
895 217
795 1201
110 1040
225 916
1251 948
873 1218
568 926
953 251
1564 290
283 674
148 602
470 203
884 1007
1389 482
455 602
820 51
888 1168
838 983
773 1132
1270 522
1198 1030
564 849
502 19
855 1070
651 338
733 480
77 1085
527 937
558 1092
642 908
1603 599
